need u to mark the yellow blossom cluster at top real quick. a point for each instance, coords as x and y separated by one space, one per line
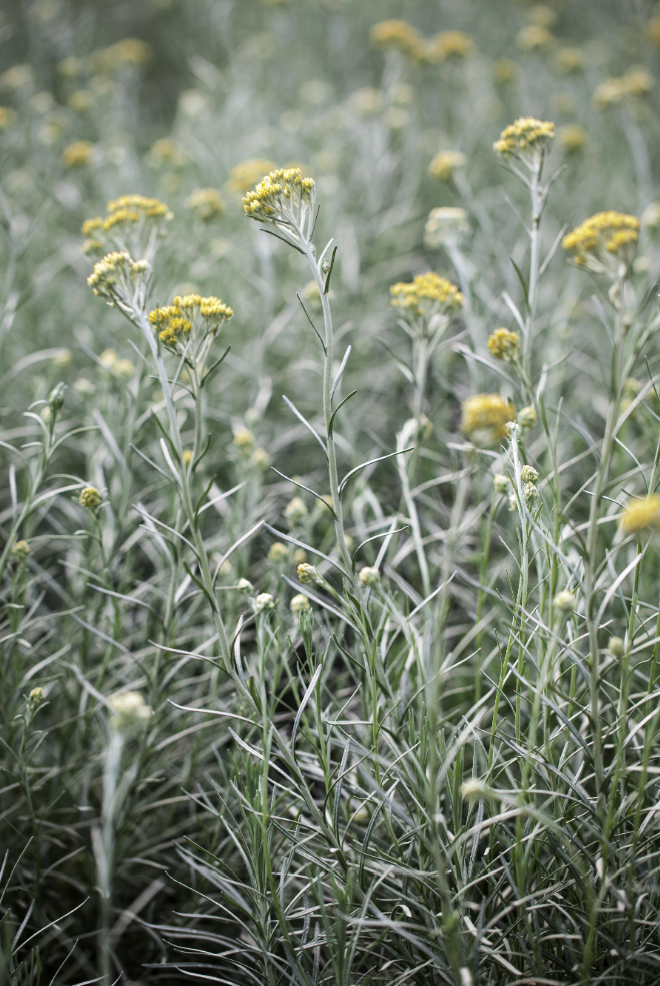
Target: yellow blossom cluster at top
78 154
174 323
534 37
246 174
130 220
281 193
631 86
504 344
128 51
525 139
427 295
641 514
406 38
117 276
485 419
398 34
205 204
445 163
445 226
448 44
604 243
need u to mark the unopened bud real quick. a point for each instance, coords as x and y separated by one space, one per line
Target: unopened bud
264 601
20 551
564 602
299 603
308 574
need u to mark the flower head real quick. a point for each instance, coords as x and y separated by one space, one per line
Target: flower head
504 71
78 154
572 138
503 344
604 243
626 88
528 140
401 35
617 648
445 226
449 44
295 511
278 551
501 483
133 224
564 602
534 37
485 419
526 419
369 576
36 698
283 198
205 204
299 603
570 59
131 712
641 515
189 318
427 301
264 602
445 163
308 574
528 474
119 279
246 174
89 498
20 551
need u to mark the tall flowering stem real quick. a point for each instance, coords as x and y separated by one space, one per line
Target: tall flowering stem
185 329
605 244
284 201
524 146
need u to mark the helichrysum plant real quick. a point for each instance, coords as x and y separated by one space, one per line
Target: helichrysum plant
329 541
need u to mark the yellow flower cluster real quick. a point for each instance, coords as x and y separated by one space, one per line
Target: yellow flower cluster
503 344
570 59
448 44
400 35
445 164
572 138
165 151
117 275
485 419
243 176
604 243
281 193
205 204
631 86
534 37
526 139
504 71
641 514
406 38
445 226
89 498
132 223
427 295
175 322
128 51
78 154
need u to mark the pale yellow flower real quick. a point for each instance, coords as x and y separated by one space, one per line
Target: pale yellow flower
641 514
485 419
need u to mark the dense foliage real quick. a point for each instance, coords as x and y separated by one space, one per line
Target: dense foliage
383 711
